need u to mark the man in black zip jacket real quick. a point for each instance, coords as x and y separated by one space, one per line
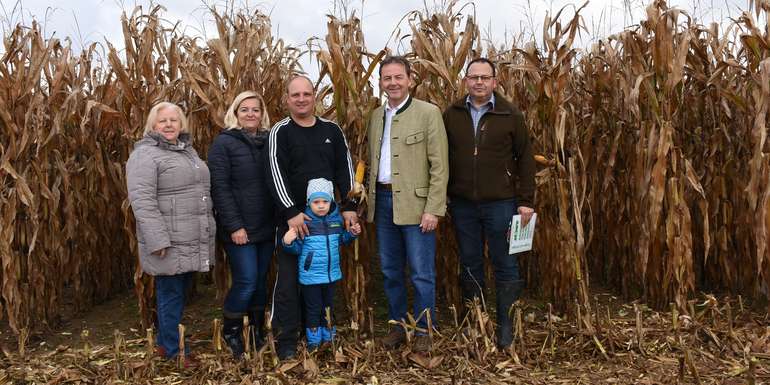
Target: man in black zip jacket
489 152
302 147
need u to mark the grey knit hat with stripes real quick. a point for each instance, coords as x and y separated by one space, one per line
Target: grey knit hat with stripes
320 188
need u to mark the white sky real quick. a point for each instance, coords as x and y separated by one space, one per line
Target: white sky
86 21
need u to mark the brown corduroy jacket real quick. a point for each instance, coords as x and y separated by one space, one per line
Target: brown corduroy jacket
490 164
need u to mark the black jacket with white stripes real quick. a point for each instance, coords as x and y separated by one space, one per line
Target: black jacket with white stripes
298 154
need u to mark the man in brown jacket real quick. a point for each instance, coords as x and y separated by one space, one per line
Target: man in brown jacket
489 156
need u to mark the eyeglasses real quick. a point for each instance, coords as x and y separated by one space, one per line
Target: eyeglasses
483 78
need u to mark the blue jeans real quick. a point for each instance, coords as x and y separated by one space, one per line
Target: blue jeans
474 221
170 298
399 245
248 268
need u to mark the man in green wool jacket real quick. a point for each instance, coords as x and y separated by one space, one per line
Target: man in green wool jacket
408 175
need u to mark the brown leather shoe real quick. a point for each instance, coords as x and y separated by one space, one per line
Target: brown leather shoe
191 361
160 351
395 338
422 344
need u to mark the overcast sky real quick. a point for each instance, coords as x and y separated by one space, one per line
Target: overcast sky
87 21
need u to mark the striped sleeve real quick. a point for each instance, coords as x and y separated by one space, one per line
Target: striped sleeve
278 175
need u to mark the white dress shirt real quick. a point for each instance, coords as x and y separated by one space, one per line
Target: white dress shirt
383 176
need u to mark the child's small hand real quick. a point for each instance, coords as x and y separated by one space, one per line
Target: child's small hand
290 236
355 229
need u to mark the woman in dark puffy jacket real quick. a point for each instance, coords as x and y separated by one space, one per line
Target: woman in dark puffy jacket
168 188
244 213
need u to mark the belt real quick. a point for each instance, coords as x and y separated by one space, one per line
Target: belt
384 186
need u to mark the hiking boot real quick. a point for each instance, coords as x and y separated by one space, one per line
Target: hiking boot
422 344
395 338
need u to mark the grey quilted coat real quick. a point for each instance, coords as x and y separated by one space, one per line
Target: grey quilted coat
168 188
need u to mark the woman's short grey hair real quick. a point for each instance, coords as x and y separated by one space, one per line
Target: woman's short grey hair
231 116
152 117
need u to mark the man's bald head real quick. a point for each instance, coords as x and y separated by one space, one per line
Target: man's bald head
300 98
299 78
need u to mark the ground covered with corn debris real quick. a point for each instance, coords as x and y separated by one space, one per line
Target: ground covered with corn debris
718 341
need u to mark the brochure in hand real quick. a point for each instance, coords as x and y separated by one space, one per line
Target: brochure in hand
521 237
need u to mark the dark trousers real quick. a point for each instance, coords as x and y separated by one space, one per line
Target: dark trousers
316 299
286 312
475 221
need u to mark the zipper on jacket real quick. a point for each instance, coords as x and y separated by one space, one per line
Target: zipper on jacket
478 138
328 251
198 177
173 214
476 135
249 142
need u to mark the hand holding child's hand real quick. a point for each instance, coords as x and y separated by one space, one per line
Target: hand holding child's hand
290 236
355 229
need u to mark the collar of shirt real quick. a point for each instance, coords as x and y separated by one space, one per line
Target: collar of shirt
490 104
392 110
384 173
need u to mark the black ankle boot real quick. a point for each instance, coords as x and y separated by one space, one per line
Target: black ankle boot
233 336
506 294
257 327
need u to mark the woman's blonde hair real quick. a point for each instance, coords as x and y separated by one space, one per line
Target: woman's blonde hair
149 125
231 116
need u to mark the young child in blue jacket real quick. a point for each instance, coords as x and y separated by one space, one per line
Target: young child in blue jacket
319 258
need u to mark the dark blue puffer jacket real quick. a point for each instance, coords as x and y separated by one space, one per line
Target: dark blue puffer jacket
239 190
319 252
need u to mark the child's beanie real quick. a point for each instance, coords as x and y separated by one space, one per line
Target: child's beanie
320 188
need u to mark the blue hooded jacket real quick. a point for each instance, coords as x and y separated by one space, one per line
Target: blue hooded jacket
319 252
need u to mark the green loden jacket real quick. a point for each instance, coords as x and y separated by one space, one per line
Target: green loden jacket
419 161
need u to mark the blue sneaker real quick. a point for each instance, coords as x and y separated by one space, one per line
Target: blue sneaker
327 334
314 336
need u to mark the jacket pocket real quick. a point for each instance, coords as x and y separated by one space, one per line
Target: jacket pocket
415 138
308 261
422 192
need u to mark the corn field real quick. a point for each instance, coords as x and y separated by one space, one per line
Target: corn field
654 172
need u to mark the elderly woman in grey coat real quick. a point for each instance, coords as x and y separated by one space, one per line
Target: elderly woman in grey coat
168 188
